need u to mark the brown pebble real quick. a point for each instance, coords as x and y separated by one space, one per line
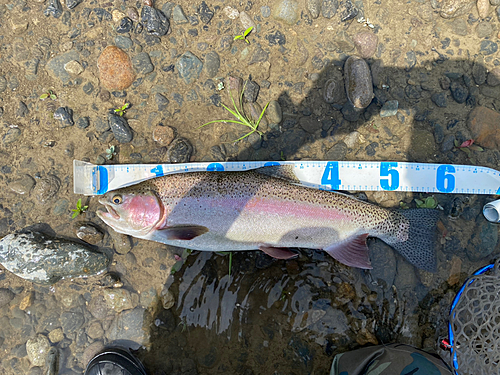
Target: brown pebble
115 69
484 124
133 14
149 3
456 267
292 267
358 82
345 291
366 43
235 86
366 337
27 301
164 135
104 95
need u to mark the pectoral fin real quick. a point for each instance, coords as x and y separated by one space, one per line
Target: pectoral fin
185 232
278 252
352 252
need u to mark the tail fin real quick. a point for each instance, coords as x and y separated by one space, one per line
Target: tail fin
419 248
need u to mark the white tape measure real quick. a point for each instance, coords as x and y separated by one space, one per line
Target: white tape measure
90 179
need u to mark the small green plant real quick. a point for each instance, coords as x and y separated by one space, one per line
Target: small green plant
183 324
403 205
110 152
241 117
48 94
121 111
244 35
468 146
224 253
429 202
79 209
180 260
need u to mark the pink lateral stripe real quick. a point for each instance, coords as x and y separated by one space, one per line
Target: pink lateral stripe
297 209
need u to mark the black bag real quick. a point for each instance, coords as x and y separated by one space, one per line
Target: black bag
392 359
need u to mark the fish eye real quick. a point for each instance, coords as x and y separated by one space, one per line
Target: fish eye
117 199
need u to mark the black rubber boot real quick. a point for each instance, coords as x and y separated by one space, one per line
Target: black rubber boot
115 361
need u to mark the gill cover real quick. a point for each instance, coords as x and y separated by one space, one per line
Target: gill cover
131 213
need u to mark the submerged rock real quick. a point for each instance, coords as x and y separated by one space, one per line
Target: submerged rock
484 126
46 188
43 259
37 349
179 151
130 325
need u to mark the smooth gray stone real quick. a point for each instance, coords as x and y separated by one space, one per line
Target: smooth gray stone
55 66
44 259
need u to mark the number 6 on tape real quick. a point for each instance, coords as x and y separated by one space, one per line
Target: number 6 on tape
445 182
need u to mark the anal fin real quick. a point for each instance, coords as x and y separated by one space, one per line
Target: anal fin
182 232
278 252
352 252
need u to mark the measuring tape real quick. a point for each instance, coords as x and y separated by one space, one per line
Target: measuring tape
90 179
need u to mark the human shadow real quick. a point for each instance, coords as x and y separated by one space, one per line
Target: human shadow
434 100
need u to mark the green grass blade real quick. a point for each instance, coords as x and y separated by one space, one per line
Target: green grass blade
247 31
235 114
246 135
262 114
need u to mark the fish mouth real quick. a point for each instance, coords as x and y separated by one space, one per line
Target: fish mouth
111 213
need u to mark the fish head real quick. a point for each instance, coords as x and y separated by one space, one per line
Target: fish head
132 212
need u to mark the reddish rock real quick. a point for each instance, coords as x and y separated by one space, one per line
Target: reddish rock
164 135
115 69
366 43
484 124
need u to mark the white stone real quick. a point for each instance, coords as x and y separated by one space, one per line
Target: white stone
231 12
73 67
351 139
247 21
37 349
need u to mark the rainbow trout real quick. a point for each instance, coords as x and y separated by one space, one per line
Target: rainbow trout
226 211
